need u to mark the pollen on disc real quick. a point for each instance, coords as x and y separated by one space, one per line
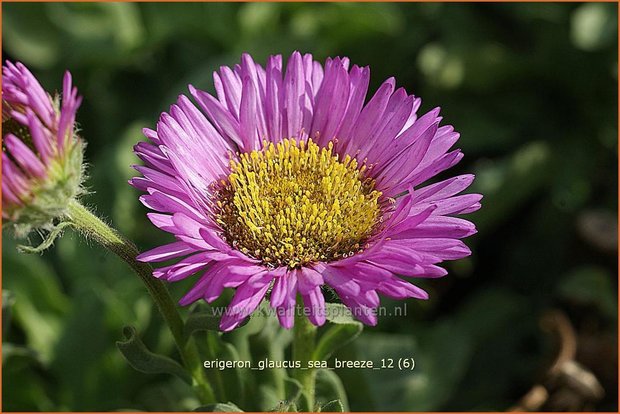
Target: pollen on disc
294 203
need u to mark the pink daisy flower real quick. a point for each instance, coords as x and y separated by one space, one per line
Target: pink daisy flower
288 181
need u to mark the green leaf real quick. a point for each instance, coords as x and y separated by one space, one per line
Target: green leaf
143 360
201 321
220 408
233 379
292 389
338 313
329 388
344 330
334 406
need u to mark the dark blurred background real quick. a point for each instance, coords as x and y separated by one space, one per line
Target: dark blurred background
532 88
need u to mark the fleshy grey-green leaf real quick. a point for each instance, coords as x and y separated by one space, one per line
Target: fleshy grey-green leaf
201 321
329 387
334 406
344 330
143 360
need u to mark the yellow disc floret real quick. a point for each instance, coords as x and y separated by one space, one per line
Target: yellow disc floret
294 203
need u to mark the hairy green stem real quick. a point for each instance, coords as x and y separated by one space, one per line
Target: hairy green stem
95 229
304 335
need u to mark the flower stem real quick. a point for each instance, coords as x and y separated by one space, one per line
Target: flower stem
92 227
304 334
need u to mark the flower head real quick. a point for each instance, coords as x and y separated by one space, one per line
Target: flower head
288 180
41 153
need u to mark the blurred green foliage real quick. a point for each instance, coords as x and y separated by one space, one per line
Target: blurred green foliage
532 89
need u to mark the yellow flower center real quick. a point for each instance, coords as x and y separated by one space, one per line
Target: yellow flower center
295 203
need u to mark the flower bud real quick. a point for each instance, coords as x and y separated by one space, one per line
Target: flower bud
42 154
